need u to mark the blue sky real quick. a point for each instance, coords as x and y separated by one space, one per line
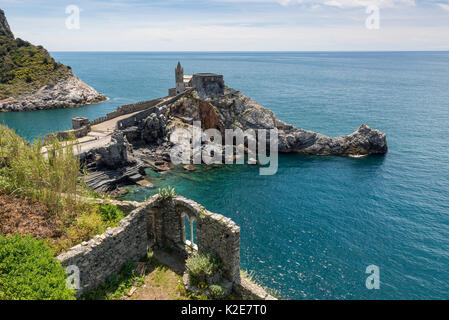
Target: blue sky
232 25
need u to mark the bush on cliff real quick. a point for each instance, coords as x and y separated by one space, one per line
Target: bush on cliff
166 193
25 67
217 291
28 271
111 215
201 266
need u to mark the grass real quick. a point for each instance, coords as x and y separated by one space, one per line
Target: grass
160 283
56 181
251 276
53 179
117 286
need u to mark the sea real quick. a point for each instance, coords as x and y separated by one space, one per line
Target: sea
311 230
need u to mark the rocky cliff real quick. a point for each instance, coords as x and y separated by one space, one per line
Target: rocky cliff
66 92
235 110
30 79
4 26
147 144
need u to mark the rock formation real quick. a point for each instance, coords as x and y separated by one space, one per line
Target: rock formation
64 93
235 110
32 80
145 143
113 155
5 30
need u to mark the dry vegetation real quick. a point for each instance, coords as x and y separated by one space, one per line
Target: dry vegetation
48 189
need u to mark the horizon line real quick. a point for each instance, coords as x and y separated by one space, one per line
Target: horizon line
251 51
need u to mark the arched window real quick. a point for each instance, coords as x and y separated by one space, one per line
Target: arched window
189 231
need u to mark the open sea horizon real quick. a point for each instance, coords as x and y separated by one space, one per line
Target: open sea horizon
310 231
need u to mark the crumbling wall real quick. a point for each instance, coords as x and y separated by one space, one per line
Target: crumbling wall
106 254
215 233
155 222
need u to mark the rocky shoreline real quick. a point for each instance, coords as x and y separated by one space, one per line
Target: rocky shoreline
147 145
64 93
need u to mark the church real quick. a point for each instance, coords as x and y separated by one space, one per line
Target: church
208 85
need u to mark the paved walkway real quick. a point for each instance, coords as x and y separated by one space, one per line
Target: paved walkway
100 134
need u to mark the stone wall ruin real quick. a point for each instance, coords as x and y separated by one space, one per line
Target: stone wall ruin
155 223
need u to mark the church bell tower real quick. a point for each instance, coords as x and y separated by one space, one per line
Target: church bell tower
179 75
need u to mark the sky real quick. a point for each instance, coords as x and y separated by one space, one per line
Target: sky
231 25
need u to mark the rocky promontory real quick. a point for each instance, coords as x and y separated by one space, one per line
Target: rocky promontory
147 143
66 92
235 110
30 79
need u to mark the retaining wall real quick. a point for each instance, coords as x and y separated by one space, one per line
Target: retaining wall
126 109
135 119
65 135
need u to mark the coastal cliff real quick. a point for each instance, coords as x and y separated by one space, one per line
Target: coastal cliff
146 142
30 79
65 92
235 110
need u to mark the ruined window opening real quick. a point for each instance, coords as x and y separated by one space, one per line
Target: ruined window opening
190 231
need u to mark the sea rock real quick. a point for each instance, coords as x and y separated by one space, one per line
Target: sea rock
113 155
189 167
154 128
363 141
145 183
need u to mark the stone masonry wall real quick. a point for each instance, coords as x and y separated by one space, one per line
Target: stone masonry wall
122 110
160 223
135 119
208 85
106 254
126 109
65 135
216 234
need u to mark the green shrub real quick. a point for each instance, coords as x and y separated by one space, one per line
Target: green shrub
85 227
23 67
111 214
166 193
216 292
202 266
28 271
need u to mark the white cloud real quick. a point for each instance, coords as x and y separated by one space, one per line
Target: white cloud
293 27
170 37
444 6
334 3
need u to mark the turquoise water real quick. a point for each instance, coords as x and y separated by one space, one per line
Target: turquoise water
311 230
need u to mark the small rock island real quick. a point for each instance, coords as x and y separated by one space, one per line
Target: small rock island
30 79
